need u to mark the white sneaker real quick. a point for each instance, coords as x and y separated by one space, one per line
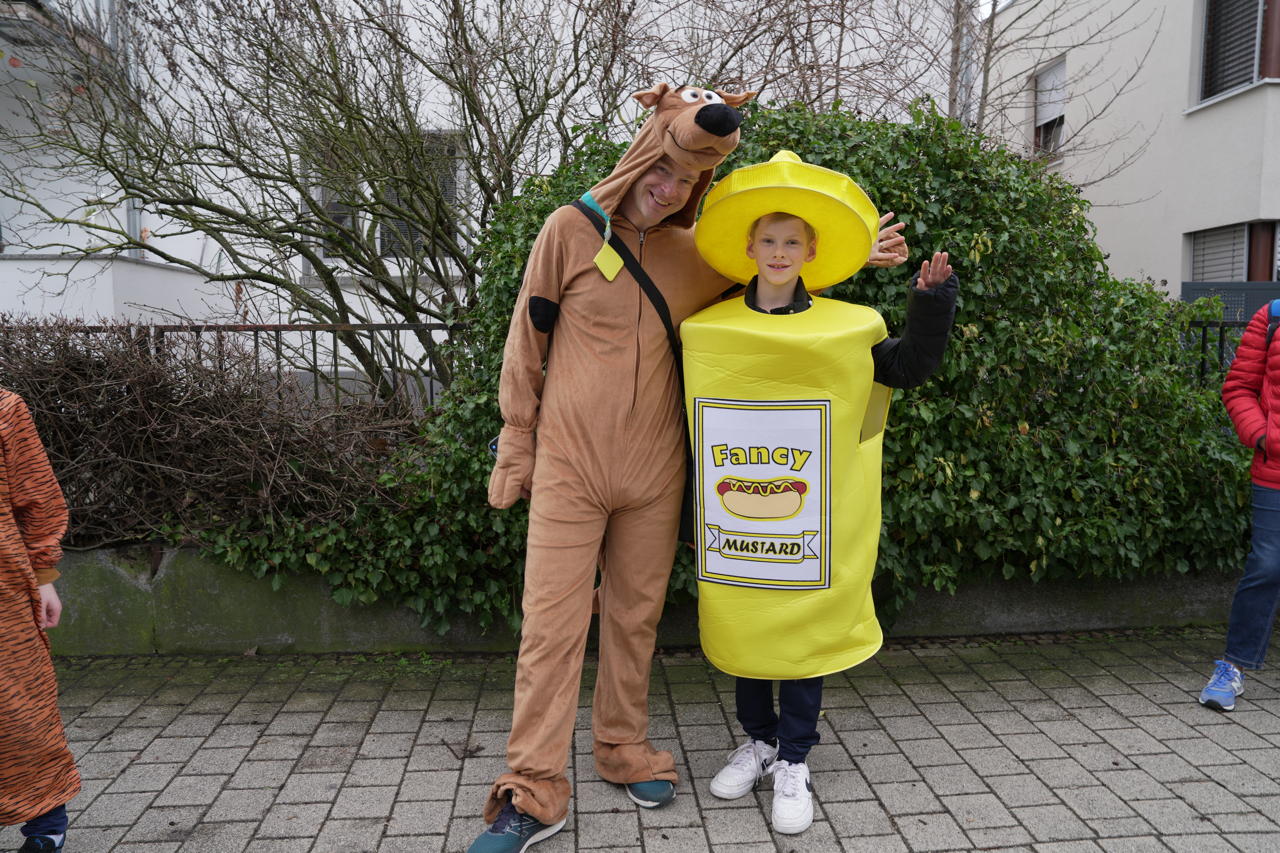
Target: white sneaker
792 797
746 765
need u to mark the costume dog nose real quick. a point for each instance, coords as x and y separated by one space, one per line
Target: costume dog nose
718 119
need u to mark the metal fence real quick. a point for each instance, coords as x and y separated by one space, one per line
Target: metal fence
1217 340
1240 299
311 354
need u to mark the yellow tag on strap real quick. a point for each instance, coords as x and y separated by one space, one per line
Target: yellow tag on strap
608 261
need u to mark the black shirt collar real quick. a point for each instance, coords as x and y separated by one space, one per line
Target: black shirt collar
800 300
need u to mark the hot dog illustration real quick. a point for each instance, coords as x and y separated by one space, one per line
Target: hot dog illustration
762 499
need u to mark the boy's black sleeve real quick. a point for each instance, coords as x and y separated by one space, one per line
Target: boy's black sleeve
911 359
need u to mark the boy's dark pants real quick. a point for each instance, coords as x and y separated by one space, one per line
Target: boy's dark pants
796 727
52 822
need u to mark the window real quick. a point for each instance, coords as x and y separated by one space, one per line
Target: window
1232 39
332 193
1246 252
407 213
443 153
338 214
336 209
133 226
400 237
1219 254
1238 264
1051 102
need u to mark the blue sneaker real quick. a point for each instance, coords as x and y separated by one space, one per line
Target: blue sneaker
41 844
1226 684
651 794
513 832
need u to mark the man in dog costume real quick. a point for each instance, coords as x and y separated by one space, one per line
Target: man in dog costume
593 433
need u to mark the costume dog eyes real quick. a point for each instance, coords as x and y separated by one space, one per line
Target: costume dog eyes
706 96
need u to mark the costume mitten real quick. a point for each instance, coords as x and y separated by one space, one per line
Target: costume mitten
514 468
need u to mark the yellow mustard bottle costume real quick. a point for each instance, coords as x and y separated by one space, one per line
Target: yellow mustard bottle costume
786 425
787 428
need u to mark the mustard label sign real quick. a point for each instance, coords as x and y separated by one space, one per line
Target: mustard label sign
762 484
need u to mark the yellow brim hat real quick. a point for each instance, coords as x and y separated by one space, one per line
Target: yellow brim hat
840 212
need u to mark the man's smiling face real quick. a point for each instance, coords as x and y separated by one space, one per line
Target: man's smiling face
661 191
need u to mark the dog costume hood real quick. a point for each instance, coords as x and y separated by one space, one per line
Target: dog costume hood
697 128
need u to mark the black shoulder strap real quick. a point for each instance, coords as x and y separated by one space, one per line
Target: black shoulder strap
1273 321
642 278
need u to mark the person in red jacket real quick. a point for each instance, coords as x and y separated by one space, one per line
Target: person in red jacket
1251 394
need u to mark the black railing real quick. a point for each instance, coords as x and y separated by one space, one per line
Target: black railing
1217 340
314 353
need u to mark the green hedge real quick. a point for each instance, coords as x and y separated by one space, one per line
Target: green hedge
1064 436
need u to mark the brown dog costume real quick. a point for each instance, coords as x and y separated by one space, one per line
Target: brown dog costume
598 439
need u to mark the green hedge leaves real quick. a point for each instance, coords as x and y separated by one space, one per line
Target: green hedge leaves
1064 436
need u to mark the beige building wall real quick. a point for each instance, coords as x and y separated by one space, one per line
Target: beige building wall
1155 163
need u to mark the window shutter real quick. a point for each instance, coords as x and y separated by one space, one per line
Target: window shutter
442 154
339 211
1219 254
399 238
1230 45
1051 92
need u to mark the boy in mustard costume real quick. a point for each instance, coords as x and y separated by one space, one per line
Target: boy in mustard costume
784 595
593 435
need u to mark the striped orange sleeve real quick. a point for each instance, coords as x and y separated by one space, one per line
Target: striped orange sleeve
38 506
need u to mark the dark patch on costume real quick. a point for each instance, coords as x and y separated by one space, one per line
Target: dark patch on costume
543 313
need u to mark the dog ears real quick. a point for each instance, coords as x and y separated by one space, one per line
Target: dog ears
735 99
649 97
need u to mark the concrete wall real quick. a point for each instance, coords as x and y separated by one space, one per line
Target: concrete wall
142 601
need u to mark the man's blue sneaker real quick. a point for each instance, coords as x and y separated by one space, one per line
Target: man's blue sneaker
513 832
651 794
1226 684
41 844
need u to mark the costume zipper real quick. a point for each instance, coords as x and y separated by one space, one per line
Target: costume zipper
635 373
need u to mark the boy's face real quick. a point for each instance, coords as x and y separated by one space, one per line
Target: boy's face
780 247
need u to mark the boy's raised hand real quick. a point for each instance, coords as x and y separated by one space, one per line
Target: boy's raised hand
935 272
890 248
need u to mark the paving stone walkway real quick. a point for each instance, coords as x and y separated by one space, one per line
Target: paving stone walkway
1068 743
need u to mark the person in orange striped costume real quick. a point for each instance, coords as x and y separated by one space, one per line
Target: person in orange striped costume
38 776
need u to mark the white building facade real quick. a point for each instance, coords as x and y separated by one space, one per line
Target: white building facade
40 273
1172 128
